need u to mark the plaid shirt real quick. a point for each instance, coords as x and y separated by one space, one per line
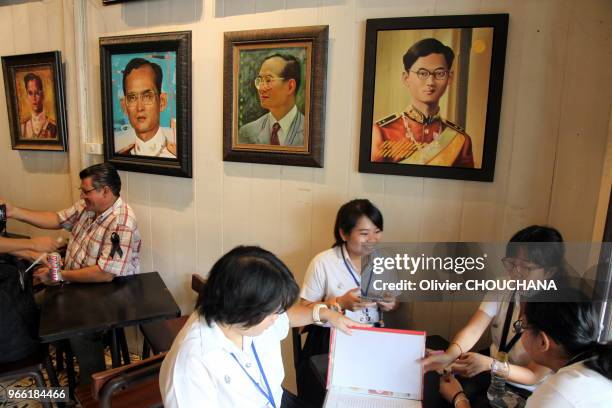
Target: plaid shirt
90 242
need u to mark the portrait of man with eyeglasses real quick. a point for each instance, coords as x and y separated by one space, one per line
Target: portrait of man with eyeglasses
38 125
277 84
143 102
419 134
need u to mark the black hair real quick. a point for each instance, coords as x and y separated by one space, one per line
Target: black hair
350 213
140 62
425 47
103 174
291 70
574 326
548 255
32 77
245 286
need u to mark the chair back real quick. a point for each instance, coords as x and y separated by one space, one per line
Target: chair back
107 383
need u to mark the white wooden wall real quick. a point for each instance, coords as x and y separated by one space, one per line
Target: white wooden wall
553 134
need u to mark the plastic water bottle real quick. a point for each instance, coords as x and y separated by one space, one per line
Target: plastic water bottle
499 373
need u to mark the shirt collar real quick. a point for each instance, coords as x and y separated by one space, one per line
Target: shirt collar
41 117
118 203
418 116
216 339
285 122
151 147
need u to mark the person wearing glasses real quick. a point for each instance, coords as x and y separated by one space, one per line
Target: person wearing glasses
562 336
104 243
419 135
537 253
38 125
277 85
143 102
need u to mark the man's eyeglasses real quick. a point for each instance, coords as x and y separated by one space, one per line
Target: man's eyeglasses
266 81
85 192
521 266
147 98
519 326
438 74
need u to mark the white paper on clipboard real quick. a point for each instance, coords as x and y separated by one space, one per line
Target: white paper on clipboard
376 363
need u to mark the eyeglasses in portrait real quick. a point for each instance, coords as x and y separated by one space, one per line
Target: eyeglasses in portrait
432 99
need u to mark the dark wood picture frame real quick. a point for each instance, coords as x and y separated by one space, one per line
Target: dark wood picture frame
47 68
314 40
178 43
489 135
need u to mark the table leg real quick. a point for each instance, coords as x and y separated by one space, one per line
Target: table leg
69 368
125 353
114 349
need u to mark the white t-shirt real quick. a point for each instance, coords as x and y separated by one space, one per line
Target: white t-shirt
199 370
328 277
573 386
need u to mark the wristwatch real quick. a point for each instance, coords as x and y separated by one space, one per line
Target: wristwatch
315 313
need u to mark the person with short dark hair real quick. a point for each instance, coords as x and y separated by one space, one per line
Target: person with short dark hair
562 336
533 253
228 354
419 135
38 125
143 101
277 83
104 241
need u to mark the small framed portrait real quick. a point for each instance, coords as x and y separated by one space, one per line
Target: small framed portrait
274 96
34 85
432 91
146 100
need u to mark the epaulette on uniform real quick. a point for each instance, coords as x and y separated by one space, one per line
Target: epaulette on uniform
388 119
454 126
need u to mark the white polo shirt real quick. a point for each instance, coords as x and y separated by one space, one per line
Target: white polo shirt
573 386
200 371
328 277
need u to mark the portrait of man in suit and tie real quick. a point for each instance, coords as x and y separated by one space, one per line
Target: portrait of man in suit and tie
277 84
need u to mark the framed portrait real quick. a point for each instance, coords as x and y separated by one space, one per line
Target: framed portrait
146 102
274 96
34 85
432 91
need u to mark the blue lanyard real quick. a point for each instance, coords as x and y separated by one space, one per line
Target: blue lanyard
268 394
348 267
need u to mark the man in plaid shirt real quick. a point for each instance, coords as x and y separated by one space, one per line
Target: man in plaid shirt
104 243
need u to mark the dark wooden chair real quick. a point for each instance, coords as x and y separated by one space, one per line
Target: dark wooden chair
31 366
159 335
133 385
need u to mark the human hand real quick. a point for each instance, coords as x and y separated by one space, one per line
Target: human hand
436 360
340 321
449 387
388 304
470 364
41 275
352 301
46 244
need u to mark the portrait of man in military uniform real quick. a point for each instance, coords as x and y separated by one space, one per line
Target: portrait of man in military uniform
38 125
419 134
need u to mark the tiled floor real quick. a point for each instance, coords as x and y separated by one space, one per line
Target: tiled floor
29 383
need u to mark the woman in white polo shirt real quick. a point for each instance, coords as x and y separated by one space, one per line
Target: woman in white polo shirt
536 252
228 354
561 336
